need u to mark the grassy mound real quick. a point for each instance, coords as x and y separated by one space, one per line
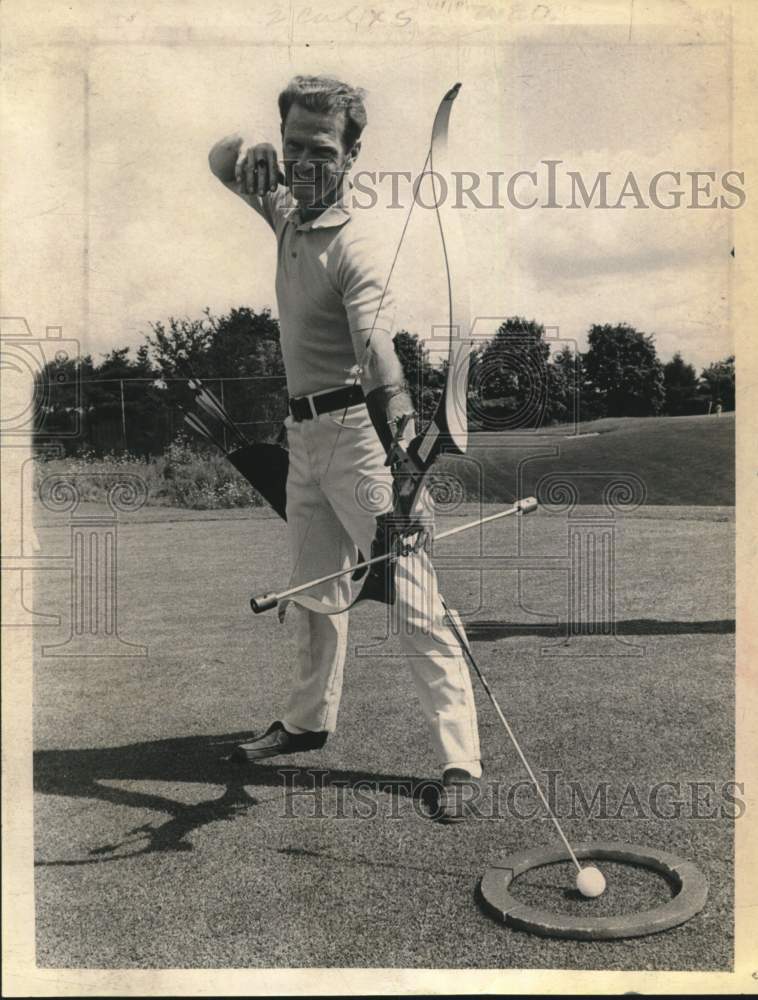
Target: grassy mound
680 460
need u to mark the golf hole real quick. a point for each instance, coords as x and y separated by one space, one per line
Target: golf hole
666 891
629 888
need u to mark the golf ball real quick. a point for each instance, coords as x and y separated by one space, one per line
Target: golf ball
590 882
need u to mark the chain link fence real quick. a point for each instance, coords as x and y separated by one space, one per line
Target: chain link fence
142 416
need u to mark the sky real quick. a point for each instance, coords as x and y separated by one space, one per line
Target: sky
125 225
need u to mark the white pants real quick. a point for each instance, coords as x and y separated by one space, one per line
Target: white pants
337 485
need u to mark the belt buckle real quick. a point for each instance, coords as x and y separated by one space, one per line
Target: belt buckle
297 413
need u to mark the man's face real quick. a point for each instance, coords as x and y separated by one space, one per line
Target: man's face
315 159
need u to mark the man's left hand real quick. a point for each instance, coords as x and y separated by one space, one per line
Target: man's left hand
411 518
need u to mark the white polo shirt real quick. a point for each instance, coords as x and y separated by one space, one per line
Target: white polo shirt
331 279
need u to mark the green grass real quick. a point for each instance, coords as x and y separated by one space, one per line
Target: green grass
679 460
153 853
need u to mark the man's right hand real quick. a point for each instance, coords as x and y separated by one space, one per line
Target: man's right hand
223 157
257 170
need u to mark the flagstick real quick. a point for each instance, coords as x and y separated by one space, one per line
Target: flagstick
457 627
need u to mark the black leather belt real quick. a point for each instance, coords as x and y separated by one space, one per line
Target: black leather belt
325 402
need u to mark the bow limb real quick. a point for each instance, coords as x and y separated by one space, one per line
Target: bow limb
450 418
447 430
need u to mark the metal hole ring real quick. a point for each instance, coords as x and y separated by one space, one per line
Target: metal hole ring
688 882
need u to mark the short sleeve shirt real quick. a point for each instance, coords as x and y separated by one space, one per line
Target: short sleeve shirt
331 289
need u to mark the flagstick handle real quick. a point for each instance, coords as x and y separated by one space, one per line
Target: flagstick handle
265 602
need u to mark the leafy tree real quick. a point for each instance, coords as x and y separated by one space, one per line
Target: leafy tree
238 355
564 382
680 383
246 343
510 376
721 381
120 412
242 343
58 393
101 402
623 376
424 380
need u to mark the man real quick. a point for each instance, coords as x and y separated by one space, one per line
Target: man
335 321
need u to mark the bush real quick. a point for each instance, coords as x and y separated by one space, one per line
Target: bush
184 476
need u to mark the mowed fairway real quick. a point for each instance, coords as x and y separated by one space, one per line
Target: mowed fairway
153 852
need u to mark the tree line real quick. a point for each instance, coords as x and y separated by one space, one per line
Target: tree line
127 402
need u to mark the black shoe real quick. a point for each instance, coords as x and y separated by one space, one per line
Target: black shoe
276 740
458 789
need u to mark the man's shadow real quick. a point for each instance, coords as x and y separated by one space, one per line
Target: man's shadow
199 760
